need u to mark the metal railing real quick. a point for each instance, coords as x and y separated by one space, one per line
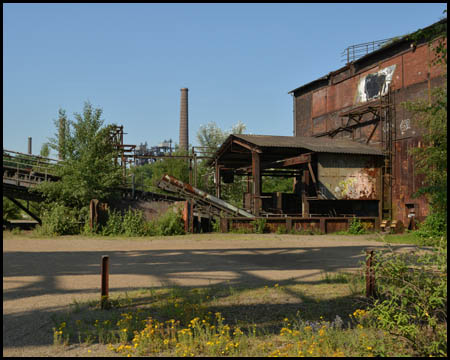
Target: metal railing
26 170
357 51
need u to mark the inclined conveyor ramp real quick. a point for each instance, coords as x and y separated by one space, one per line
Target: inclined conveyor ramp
201 198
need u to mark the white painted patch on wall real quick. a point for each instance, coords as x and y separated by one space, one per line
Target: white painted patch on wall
375 84
405 125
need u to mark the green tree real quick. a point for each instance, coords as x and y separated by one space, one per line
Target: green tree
10 210
212 137
431 158
431 116
274 184
176 167
88 171
143 176
45 150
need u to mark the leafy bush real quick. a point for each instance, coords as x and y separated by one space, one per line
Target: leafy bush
216 225
114 224
10 210
433 228
355 227
134 223
281 230
259 225
170 223
60 220
412 298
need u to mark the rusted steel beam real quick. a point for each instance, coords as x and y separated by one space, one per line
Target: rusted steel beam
323 226
372 132
313 177
312 173
289 224
247 146
304 190
256 173
18 204
167 157
104 303
296 160
348 128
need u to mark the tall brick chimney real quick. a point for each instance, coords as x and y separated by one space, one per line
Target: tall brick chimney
184 128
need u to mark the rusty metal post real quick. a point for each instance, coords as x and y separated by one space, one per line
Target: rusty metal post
256 174
323 225
195 167
105 282
370 274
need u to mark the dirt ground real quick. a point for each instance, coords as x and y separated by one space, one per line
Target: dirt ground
43 276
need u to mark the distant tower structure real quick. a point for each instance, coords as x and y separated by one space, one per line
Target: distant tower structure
29 146
184 129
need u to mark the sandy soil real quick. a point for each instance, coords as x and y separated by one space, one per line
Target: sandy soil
43 276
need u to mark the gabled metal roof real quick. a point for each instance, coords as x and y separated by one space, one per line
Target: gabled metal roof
322 144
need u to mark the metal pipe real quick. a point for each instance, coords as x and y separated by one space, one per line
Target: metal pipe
105 282
370 273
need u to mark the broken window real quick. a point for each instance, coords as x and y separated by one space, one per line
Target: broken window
374 85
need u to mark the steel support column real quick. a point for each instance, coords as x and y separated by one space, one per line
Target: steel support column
256 173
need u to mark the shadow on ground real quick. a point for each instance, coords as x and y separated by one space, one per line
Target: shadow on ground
191 266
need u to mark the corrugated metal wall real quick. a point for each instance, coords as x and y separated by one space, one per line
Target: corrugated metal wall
318 110
355 177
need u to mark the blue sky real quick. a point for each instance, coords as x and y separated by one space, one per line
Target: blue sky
239 62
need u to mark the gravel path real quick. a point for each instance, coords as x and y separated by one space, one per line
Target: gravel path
43 276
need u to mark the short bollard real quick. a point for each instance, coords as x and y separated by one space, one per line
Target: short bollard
104 303
370 274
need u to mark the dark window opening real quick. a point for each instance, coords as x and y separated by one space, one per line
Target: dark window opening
374 85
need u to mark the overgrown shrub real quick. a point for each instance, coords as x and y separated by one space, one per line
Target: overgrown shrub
355 227
61 220
215 225
10 210
114 224
412 298
170 223
259 225
433 228
281 230
134 223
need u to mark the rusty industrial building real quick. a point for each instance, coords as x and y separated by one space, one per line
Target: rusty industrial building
349 155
